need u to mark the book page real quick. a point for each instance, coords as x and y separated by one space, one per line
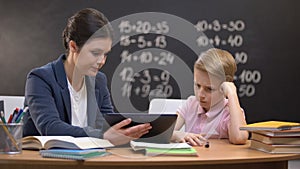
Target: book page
68 142
43 140
142 145
91 142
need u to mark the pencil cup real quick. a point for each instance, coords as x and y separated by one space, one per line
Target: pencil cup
11 138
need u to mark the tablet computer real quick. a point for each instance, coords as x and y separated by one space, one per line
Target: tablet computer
162 124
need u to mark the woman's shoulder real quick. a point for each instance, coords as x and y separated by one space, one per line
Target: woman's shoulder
48 69
42 70
101 76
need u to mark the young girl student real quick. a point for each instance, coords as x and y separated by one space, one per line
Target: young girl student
214 111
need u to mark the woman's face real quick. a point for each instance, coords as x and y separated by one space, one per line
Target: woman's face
206 89
92 56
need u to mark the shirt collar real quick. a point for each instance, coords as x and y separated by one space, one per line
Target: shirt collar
215 110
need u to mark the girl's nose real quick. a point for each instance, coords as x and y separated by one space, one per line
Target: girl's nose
201 92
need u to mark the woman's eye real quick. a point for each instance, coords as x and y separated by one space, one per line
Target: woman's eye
95 53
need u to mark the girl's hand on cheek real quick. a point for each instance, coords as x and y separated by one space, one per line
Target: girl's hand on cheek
227 88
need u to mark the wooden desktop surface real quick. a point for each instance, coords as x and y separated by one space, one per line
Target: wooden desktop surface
220 154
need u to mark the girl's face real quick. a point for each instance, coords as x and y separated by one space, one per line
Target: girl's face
207 89
92 56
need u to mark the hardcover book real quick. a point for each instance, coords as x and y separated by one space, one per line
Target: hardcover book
281 133
275 139
271 126
272 148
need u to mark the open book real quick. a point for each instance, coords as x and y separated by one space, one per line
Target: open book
67 142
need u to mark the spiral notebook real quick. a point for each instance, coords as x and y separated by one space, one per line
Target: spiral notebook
73 154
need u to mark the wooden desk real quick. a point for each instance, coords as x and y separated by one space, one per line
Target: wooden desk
220 155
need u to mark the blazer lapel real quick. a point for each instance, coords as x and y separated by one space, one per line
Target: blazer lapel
67 102
61 78
92 105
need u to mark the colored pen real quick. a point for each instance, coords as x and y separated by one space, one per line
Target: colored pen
2 117
18 115
15 113
10 118
21 115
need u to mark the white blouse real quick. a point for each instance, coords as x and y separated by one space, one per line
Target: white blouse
78 105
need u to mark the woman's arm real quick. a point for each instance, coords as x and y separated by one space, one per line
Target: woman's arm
46 105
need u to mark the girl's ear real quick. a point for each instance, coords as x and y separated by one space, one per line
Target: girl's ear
72 46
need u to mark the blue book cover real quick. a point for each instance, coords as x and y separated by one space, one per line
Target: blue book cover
73 154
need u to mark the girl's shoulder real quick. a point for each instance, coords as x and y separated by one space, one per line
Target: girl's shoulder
191 98
192 102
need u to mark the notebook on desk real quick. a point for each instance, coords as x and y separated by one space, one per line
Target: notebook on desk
162 124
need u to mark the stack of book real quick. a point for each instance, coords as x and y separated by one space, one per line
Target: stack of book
275 136
172 149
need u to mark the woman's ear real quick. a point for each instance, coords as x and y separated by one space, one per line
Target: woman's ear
72 46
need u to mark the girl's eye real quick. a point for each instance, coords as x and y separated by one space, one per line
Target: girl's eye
209 89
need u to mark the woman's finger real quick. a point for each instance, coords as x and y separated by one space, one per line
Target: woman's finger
122 124
137 130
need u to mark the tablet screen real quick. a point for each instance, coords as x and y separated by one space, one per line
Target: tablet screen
162 124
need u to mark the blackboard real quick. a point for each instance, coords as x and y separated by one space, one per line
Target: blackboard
158 41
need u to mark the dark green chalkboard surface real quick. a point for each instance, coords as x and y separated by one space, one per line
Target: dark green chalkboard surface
157 43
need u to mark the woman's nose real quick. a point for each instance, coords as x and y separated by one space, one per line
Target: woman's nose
101 61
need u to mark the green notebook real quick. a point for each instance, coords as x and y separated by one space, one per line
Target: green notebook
173 152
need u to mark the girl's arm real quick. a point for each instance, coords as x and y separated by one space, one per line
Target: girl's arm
180 136
237 118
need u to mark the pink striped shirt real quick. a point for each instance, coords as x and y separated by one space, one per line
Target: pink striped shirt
213 124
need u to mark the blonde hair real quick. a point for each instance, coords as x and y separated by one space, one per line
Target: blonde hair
217 62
